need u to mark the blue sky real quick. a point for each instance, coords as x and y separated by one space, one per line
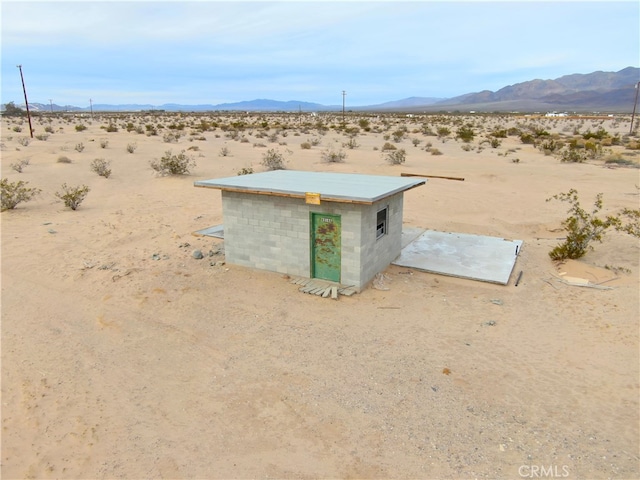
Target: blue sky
210 52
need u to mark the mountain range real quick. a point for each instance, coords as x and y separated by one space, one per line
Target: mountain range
597 91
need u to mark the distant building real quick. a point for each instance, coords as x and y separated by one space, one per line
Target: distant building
344 228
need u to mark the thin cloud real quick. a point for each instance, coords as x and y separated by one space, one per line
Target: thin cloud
212 52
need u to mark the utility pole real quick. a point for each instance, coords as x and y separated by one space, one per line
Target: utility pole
634 108
91 107
51 104
26 102
344 94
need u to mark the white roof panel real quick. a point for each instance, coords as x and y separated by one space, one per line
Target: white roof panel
336 187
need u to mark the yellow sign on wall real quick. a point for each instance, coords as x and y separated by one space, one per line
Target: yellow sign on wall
312 198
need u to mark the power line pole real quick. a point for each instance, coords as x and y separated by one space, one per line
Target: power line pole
91 107
344 94
26 102
634 108
51 104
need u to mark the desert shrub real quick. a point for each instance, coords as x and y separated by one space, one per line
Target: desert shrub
104 143
305 146
194 148
17 128
584 227
398 135
600 134
13 193
331 156
101 167
495 142
527 138
63 159
48 129
396 157
72 196
427 130
415 141
19 165
499 133
466 134
572 155
43 137
79 147
80 127
172 164
351 144
224 152
443 132
111 128
550 146
273 160
435 151
131 147
24 141
388 146
593 149
171 137
245 171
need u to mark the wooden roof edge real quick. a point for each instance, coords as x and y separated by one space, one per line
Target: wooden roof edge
274 193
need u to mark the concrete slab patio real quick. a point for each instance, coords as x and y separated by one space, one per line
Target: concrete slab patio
476 257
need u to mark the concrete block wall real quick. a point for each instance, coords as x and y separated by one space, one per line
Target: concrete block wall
273 233
266 232
378 253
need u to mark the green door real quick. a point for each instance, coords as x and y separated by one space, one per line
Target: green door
325 246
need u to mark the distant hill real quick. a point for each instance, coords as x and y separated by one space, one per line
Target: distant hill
605 91
410 102
597 91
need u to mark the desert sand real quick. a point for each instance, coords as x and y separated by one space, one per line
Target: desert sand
123 356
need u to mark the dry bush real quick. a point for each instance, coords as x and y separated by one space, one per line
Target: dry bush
63 159
172 164
101 167
396 157
72 196
584 227
331 156
273 160
13 193
19 166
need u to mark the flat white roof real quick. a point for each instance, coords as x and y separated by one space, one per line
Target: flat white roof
332 187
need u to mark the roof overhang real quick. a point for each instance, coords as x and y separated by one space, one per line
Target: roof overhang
332 187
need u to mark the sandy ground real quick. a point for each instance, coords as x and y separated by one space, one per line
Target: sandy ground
125 357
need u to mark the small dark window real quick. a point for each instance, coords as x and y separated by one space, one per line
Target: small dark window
381 222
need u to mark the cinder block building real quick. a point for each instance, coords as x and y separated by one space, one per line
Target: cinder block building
344 228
